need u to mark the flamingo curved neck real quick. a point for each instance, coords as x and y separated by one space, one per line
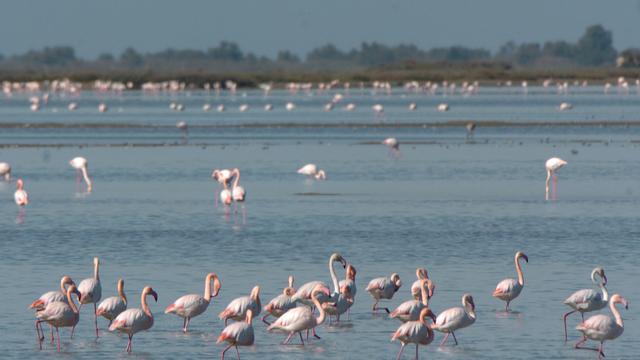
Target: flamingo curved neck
96 270
207 289
145 307
423 293
121 292
72 304
519 271
468 308
333 274
236 181
605 293
616 313
321 312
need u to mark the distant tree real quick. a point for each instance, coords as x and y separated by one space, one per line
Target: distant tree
327 52
49 56
105 57
226 51
131 58
507 51
527 53
561 49
287 56
629 58
458 53
595 47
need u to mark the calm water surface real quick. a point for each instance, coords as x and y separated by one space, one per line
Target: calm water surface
459 208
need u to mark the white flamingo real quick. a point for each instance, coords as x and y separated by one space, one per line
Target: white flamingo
20 196
237 308
190 306
303 295
237 191
509 289
312 171
416 332
456 318
52 296
384 288
281 303
112 306
552 165
91 290
602 327
5 171
587 300
81 165
59 314
238 334
410 310
132 321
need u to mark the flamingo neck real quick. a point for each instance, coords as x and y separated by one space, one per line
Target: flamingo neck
121 291
207 289
616 313
469 309
519 271
96 270
321 312
72 304
549 173
333 275
423 293
236 181
85 175
145 307
63 282
605 293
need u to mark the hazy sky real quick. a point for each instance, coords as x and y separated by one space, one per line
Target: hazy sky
266 26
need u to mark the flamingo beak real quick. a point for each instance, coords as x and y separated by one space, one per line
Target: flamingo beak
526 258
155 295
216 288
604 277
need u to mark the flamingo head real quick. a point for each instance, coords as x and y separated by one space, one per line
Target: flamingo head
421 273
468 299
395 279
600 272
19 184
149 291
255 292
215 174
427 312
216 283
337 257
66 280
351 272
520 254
618 299
72 289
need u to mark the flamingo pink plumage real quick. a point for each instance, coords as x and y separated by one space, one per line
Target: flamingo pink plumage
237 308
132 321
416 332
112 306
20 196
384 288
587 300
281 303
452 319
91 291
59 314
238 334
509 289
602 327
189 306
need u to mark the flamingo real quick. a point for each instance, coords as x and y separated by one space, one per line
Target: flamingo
223 177
602 327
443 107
456 318
416 287
243 107
384 288
509 289
312 171
471 128
565 106
413 107
237 308
552 165
341 305
281 303
206 107
52 296
290 106
81 165
303 295
237 191
378 109
416 332
91 290
410 310
189 306
268 107
59 314
132 321
112 306
103 107
221 108
392 143
72 106
587 300
20 196
226 197
239 333
5 171
349 281
301 318
184 127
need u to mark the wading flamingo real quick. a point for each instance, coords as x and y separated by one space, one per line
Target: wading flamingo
5 171
91 290
303 295
112 306
59 314
509 289
301 318
312 171
392 143
416 287
602 327
341 305
350 281
132 321
281 303
471 128
223 177
415 332
237 191
238 334
81 165
587 300
410 310
384 288
237 308
456 318
20 196
52 296
552 165
190 306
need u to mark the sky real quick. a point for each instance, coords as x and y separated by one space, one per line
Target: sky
266 26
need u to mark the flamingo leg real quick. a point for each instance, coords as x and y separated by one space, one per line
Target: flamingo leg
286 341
313 331
444 340
224 351
52 338
506 308
186 327
264 319
349 314
38 334
417 356
95 318
237 352
128 349
58 335
454 337
302 341
400 352
565 323
601 350
73 329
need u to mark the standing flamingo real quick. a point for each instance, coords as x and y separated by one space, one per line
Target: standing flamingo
189 306
416 332
410 310
237 308
237 191
587 300
52 296
80 164
416 287
91 290
456 318
132 321
239 333
384 288
341 305
223 177
392 143
305 291
602 327
281 303
5 171
552 165
301 318
509 289
312 171
350 281
112 306
59 314
20 196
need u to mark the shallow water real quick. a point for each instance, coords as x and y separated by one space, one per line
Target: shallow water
460 208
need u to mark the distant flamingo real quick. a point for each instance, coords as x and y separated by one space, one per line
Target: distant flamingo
223 177
602 327
312 171
393 145
456 318
225 197
237 191
132 321
443 107
378 109
103 107
81 165
112 306
471 128
281 303
238 334
237 308
301 318
190 306
91 290
552 165
587 300
410 310
5 171
415 332
413 106
20 196
59 314
509 289
384 288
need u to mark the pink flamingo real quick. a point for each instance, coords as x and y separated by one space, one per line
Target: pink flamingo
416 287
602 327
132 321
52 296
509 289
281 303
384 288
112 306
416 332
239 333
59 314
341 305
553 165
81 165
237 191
237 308
349 281
303 295
301 318
5 171
587 300
410 310
456 318
91 291
223 177
312 172
189 306
20 196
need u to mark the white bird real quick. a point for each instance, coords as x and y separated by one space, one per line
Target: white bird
290 106
392 143
552 165
5 171
602 327
456 318
237 308
72 106
221 108
443 107
312 171
81 165
410 310
416 332
281 303
413 106
206 107
509 289
91 290
112 306
268 107
52 296
378 108
350 107
132 321
587 300
384 288
243 107
189 306
103 107
343 302
238 334
20 196
350 282
303 295
226 197
237 191
416 287
59 314
565 106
